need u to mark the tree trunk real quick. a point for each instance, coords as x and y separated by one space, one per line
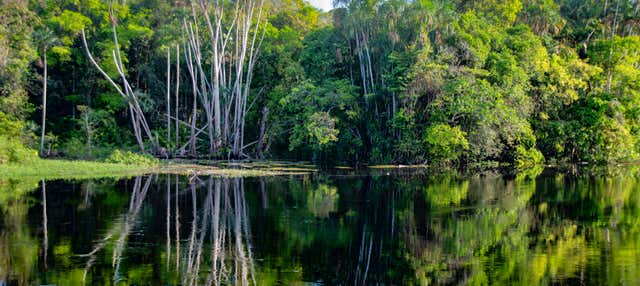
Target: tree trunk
263 127
137 116
177 93
44 103
168 100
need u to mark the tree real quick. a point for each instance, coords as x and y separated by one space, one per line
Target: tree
44 39
138 118
224 79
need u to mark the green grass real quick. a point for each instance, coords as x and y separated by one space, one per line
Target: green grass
63 169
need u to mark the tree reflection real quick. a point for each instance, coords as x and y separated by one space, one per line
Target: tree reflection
447 228
227 256
323 200
18 249
120 229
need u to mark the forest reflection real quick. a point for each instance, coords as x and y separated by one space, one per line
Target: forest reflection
399 229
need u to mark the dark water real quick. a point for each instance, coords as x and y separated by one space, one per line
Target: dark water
483 229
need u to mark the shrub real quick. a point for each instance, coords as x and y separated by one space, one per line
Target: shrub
130 158
445 143
77 148
12 151
10 128
526 158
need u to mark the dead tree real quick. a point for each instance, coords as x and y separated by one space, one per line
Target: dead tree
138 120
224 84
168 99
177 93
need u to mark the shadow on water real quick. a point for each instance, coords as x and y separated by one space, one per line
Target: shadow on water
377 228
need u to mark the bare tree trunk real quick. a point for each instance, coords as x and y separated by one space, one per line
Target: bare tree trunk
192 135
44 103
168 100
363 73
87 128
177 131
138 119
230 71
366 45
263 128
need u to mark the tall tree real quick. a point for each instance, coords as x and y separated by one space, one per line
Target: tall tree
44 39
224 85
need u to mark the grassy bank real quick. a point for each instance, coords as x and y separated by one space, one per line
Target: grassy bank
65 169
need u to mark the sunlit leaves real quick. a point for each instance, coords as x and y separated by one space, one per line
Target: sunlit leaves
70 23
445 144
320 127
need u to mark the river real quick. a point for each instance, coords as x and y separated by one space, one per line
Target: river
324 228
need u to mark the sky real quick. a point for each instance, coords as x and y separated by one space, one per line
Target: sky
324 5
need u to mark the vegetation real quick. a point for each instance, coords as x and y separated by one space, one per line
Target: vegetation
63 169
372 81
130 158
141 165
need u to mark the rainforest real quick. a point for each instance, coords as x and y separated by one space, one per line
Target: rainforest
320 142
447 83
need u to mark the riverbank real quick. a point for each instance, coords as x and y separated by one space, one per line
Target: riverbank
63 169
66 169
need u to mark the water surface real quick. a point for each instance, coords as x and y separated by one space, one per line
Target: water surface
390 229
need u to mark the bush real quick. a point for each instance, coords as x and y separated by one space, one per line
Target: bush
76 148
526 158
445 143
12 151
130 158
10 128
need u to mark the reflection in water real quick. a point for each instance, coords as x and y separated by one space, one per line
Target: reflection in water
45 238
439 229
227 255
120 229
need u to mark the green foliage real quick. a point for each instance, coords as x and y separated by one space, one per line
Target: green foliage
10 128
320 128
12 151
410 146
526 158
77 148
16 52
445 143
130 158
357 85
322 115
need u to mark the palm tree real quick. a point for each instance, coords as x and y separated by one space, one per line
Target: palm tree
43 39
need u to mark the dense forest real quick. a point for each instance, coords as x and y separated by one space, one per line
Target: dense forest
372 81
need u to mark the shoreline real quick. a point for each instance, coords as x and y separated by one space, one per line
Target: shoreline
78 169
